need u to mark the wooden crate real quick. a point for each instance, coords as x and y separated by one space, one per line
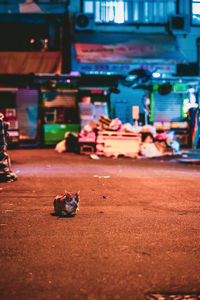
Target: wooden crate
87 148
114 143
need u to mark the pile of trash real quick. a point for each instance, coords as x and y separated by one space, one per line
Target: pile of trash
152 143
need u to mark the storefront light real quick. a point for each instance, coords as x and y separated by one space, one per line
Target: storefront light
131 77
75 73
156 75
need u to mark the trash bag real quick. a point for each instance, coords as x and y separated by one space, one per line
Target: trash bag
72 143
6 174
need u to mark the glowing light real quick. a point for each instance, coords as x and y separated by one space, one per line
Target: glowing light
196 8
74 73
119 13
156 75
131 77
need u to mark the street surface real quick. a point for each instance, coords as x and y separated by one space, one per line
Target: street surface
137 231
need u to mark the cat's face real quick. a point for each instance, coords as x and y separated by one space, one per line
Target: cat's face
71 202
71 197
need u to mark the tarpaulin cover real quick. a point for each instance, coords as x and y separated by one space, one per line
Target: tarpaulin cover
104 47
30 62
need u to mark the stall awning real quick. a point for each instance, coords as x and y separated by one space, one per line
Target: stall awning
105 49
30 62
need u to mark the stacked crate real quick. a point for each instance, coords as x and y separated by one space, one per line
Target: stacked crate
115 143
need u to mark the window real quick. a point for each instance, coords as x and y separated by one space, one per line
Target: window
131 11
195 12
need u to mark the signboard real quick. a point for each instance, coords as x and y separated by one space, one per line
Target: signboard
98 47
59 99
135 112
120 53
122 68
113 53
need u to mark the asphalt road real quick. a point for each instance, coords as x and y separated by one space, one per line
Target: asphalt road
137 231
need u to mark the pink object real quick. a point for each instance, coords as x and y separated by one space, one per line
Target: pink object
161 136
115 124
89 137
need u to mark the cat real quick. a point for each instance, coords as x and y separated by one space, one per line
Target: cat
67 204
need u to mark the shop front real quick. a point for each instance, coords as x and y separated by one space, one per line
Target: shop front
123 54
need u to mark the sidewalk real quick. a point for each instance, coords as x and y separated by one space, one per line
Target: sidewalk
190 156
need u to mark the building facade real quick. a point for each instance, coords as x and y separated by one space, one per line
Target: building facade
120 52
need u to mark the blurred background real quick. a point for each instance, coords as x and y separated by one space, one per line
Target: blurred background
65 63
